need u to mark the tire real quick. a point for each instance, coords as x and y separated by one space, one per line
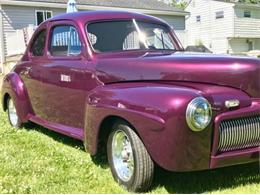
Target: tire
13 117
126 150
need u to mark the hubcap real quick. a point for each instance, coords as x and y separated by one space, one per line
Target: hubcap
122 155
12 113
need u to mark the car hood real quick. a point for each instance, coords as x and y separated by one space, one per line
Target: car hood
238 72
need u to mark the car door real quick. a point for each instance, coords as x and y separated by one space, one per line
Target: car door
66 79
31 70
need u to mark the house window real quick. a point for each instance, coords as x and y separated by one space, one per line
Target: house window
42 15
65 41
198 18
247 14
219 14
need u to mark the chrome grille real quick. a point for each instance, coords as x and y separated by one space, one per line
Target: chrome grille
239 133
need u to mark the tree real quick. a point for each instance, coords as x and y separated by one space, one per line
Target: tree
180 3
250 1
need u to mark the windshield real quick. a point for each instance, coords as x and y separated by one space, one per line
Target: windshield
110 36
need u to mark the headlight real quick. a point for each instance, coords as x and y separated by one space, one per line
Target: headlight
198 114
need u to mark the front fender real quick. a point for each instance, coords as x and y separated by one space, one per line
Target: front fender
157 112
15 88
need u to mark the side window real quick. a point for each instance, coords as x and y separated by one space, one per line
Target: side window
65 41
38 44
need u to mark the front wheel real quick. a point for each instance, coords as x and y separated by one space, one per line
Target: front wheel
12 114
130 163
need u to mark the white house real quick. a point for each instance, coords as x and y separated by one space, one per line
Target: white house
223 26
16 15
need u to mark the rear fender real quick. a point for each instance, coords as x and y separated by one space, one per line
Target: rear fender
15 88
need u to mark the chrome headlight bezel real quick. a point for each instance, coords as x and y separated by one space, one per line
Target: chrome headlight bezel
192 107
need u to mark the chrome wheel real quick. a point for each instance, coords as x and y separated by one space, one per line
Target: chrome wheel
130 163
13 117
122 156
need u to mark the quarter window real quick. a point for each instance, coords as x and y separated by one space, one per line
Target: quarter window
65 41
39 44
42 15
219 14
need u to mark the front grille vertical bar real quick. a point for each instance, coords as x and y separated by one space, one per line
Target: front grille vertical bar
220 145
252 126
246 135
251 137
257 133
237 132
232 137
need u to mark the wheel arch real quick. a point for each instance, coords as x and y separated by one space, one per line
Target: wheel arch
105 129
14 87
4 101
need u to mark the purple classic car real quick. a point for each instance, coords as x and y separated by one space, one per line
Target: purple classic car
122 81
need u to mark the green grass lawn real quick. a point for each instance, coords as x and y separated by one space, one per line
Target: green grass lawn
36 160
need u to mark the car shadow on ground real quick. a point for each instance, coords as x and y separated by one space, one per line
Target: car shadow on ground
55 136
185 183
208 180
99 159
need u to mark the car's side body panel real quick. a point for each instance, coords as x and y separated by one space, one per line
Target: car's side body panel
66 81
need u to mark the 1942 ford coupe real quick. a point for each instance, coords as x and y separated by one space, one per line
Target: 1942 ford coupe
122 81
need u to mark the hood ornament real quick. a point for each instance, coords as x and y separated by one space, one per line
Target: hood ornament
232 103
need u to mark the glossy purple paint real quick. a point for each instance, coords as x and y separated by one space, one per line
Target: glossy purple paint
150 90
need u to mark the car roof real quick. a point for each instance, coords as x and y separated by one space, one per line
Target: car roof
89 16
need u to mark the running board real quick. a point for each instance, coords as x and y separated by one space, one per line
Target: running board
63 129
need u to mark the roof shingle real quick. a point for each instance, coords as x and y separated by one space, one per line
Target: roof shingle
134 4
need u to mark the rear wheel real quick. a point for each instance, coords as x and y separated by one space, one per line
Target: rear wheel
12 114
130 163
